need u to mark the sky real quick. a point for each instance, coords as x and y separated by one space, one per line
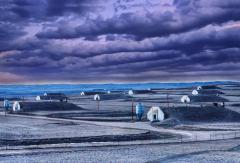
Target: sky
119 41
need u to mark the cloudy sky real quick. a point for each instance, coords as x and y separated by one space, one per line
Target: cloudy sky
102 41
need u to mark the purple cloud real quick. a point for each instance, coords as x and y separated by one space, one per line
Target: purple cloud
135 40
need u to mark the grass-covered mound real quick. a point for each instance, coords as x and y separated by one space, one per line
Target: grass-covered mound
204 114
47 106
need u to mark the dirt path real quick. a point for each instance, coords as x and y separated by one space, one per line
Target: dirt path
187 134
132 125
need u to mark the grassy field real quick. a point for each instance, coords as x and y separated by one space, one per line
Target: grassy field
112 122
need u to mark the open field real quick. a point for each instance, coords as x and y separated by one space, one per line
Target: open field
188 134
213 151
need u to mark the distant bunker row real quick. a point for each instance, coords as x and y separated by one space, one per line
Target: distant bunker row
206 92
130 92
203 99
52 97
105 97
202 106
181 114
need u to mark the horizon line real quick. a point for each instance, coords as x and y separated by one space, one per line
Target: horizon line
76 83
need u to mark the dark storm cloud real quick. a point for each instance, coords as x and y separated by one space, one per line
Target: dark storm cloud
9 31
190 43
59 7
20 10
188 15
119 40
132 57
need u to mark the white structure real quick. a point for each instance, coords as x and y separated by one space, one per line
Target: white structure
185 99
6 103
108 92
16 106
139 108
195 92
96 97
45 94
38 98
82 93
130 92
155 114
199 87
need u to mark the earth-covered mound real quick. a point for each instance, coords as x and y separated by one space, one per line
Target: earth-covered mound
204 114
47 106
